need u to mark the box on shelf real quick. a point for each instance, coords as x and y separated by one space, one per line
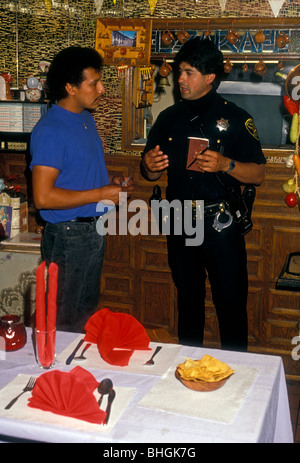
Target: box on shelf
13 218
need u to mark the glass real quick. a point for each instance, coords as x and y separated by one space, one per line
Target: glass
45 348
13 331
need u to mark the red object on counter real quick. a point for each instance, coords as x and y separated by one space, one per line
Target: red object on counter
290 105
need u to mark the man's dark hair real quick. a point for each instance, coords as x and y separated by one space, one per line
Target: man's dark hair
68 66
203 55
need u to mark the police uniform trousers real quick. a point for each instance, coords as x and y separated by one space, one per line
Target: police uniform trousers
222 257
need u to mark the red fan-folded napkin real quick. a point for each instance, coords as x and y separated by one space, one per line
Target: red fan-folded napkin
114 330
69 394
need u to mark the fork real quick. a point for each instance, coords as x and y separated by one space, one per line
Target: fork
150 361
29 386
81 356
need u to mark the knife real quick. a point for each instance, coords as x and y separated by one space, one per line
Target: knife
111 397
71 357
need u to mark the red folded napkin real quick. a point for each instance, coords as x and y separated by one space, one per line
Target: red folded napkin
46 308
116 330
69 394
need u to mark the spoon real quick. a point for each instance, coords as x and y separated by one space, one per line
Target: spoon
105 387
81 356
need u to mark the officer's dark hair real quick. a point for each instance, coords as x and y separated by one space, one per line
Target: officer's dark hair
68 66
203 55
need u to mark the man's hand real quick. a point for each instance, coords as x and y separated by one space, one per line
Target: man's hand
125 182
154 163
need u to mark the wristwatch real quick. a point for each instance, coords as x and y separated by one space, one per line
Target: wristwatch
231 166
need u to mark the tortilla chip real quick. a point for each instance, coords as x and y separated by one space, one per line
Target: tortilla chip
208 369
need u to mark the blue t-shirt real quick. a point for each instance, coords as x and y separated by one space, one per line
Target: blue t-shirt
70 143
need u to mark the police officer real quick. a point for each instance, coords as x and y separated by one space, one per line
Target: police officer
233 158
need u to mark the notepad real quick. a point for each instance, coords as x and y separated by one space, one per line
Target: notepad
195 145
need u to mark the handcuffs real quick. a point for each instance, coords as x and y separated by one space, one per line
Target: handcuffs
223 218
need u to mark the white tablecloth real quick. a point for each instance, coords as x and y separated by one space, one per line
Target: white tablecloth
261 414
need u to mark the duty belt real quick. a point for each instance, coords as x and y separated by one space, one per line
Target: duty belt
211 209
220 210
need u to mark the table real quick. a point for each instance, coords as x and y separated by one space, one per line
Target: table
263 415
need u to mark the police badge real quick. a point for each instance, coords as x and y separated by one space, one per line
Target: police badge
222 124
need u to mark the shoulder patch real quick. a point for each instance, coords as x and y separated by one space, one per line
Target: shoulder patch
250 126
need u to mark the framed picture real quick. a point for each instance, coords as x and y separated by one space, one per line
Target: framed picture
124 41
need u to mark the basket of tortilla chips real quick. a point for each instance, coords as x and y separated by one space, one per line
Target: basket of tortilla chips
207 374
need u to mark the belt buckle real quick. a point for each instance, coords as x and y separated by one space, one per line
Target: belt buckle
217 224
197 210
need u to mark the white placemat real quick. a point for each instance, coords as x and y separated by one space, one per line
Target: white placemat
21 412
163 359
170 395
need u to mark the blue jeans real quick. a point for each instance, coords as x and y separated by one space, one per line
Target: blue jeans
78 250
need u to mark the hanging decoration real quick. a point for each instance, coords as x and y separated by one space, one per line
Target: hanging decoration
276 6
122 71
98 5
228 66
48 4
222 5
292 103
152 4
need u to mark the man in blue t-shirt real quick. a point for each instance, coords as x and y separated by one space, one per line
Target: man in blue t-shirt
70 179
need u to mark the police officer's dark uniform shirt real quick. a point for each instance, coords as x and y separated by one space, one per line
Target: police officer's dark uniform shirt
230 130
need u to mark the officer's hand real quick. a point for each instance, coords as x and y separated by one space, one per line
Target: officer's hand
155 160
211 161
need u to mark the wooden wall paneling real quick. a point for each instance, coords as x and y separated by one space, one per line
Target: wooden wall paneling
283 310
283 303
255 265
158 300
158 293
255 301
211 329
154 259
281 333
118 273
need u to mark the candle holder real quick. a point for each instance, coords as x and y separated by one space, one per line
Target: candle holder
13 331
